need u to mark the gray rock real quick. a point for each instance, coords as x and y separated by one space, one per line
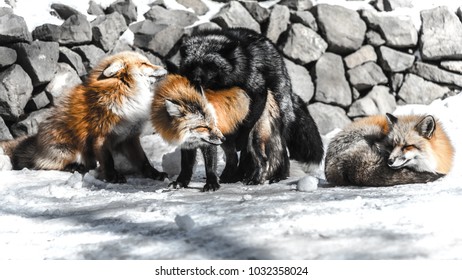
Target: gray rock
198 6
15 90
38 102
342 28
304 17
356 94
331 84
95 9
126 8
435 74
301 80
454 65
90 55
30 125
396 81
64 11
378 4
158 38
278 22
159 3
75 30
64 80
299 5
5 133
416 90
398 32
441 34
395 61
13 29
7 56
160 15
235 15
328 117
202 26
39 59
374 38
106 30
73 59
303 45
8 10
364 54
47 32
366 76
391 5
259 13
377 102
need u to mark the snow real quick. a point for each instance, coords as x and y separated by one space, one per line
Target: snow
60 215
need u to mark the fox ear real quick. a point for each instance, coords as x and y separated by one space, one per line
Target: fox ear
173 109
113 69
426 127
229 47
392 120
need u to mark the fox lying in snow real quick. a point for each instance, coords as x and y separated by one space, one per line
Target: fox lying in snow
389 150
103 115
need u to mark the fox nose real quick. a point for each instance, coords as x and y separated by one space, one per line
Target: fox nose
390 161
223 139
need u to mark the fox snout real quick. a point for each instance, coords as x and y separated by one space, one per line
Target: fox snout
159 73
215 139
397 162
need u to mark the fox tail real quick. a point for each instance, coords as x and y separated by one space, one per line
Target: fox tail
303 139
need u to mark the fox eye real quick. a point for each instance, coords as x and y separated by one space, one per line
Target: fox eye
202 128
408 147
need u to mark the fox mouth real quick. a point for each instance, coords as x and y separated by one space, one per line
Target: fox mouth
395 165
212 142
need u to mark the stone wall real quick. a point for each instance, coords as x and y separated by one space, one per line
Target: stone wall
344 63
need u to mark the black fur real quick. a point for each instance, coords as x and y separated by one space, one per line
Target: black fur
220 59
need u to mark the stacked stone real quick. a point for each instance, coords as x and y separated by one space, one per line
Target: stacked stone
344 64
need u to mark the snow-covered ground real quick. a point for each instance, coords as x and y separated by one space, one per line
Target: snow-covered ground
59 215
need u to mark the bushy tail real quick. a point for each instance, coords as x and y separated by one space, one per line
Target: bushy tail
303 139
20 151
8 146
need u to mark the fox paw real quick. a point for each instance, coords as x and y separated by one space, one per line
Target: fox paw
115 178
210 187
177 185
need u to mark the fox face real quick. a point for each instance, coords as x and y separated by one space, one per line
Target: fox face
208 62
196 124
409 143
126 82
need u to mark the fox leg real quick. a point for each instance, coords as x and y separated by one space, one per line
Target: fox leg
107 172
210 158
188 159
132 149
230 173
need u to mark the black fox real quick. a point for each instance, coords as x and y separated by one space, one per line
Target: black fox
222 59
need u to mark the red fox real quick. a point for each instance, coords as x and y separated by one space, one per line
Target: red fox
389 150
103 115
186 117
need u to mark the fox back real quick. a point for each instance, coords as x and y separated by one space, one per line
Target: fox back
385 150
